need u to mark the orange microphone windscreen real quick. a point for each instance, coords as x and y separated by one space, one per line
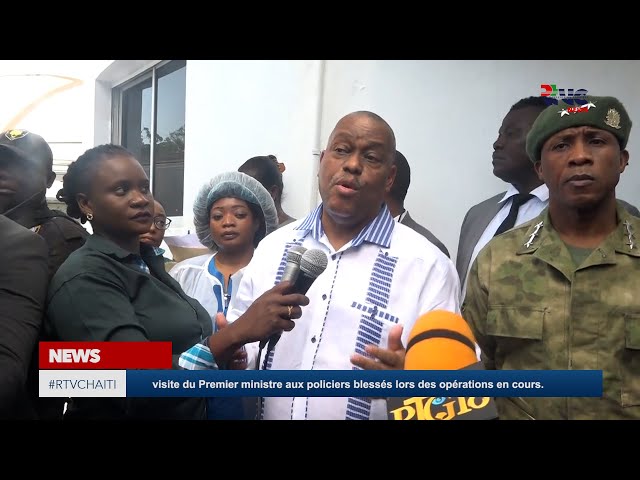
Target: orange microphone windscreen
440 340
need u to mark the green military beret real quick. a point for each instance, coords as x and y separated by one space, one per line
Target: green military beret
605 113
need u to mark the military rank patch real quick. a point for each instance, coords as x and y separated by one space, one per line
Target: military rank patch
613 118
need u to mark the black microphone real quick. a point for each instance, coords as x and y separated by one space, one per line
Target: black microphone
312 263
441 340
290 274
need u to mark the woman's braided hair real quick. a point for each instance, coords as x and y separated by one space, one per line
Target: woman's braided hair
78 176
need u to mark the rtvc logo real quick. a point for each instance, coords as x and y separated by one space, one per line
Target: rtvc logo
553 94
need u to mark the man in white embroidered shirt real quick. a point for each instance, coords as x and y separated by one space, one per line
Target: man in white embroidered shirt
380 278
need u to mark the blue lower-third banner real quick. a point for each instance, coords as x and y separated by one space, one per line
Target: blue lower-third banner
359 383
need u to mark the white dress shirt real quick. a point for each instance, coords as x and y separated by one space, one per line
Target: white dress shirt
526 212
387 275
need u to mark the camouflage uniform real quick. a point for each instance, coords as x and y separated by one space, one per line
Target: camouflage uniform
531 308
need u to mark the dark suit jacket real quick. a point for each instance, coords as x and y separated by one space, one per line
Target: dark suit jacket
61 232
63 236
476 221
411 223
24 279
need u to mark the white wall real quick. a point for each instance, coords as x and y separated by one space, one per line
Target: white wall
239 109
53 98
446 115
30 92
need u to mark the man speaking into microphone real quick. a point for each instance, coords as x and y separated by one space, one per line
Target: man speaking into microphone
379 275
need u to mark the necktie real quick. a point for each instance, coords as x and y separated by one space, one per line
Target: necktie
517 201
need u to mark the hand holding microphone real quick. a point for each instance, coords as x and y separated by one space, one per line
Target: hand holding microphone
312 263
290 274
272 312
302 268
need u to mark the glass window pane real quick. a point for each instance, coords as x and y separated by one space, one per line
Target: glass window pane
168 178
136 121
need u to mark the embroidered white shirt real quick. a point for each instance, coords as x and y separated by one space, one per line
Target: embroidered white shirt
387 275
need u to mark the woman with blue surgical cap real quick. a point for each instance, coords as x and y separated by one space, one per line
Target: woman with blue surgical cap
232 213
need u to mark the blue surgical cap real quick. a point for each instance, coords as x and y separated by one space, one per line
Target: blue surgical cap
236 185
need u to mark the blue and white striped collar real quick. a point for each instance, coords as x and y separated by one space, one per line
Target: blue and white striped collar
378 231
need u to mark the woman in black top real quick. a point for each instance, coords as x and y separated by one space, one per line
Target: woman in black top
116 289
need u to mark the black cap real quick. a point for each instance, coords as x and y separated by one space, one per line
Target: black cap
27 146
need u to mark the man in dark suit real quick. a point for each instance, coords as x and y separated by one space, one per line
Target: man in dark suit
26 171
23 288
526 196
395 202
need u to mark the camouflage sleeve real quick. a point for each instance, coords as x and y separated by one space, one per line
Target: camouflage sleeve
476 306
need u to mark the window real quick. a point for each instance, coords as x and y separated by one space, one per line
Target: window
149 120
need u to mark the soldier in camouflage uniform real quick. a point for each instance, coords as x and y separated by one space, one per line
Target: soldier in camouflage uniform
561 291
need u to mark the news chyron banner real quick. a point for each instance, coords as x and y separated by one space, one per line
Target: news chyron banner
144 369
96 369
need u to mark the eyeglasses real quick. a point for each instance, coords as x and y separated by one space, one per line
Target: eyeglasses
161 223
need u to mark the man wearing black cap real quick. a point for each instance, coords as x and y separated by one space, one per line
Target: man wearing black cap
560 292
26 171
